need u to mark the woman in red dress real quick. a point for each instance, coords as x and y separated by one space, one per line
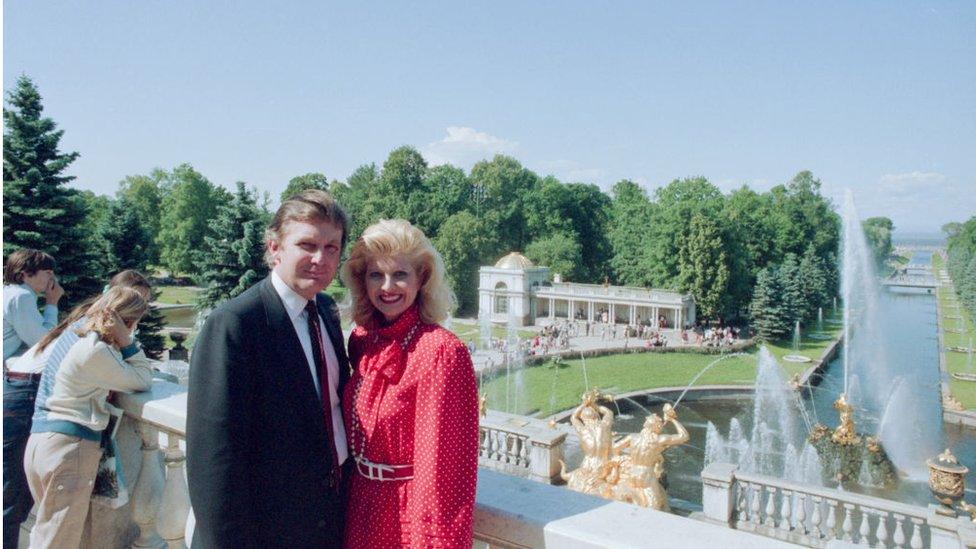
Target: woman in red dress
411 406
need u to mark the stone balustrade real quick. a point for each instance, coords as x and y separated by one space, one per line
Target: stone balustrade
819 517
513 511
520 446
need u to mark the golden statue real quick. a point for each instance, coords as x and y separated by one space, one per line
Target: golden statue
640 471
845 433
629 470
594 427
483 405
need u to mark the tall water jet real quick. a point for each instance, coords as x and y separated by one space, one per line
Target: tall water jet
819 319
796 336
484 329
881 402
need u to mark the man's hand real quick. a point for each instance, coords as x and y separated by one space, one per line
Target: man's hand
53 292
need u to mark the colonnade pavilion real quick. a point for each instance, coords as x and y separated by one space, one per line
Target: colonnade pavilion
517 290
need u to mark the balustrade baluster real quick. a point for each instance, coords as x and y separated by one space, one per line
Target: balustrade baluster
525 452
742 503
770 507
785 510
755 506
148 490
916 542
815 519
881 532
801 512
865 530
831 519
174 507
848 524
899 537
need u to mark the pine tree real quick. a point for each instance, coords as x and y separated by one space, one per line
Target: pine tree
704 267
794 303
150 334
234 258
128 245
766 309
40 211
813 280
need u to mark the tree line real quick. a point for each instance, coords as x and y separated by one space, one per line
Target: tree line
687 236
961 251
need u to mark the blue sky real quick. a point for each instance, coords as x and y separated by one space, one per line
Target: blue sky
879 96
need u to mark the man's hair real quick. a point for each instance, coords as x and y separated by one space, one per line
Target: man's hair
392 237
25 262
310 206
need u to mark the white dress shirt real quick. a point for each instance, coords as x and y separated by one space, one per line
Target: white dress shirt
23 325
295 307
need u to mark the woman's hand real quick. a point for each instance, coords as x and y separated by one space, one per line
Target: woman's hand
118 331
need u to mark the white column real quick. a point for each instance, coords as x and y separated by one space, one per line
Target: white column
552 307
589 310
611 313
677 318
654 316
633 314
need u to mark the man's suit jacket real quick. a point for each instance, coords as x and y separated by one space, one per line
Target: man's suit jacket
257 456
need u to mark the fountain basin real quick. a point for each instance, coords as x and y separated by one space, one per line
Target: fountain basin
797 358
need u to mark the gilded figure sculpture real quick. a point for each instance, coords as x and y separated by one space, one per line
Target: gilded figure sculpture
845 433
594 427
641 470
629 470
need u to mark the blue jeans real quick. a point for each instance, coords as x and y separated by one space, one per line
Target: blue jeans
18 407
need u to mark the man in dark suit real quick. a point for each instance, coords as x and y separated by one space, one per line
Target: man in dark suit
264 433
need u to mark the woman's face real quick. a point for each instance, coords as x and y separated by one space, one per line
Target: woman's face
391 285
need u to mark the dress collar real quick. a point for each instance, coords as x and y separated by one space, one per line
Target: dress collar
398 330
390 357
294 303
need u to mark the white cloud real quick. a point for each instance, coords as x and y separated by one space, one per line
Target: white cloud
916 200
464 146
911 184
570 171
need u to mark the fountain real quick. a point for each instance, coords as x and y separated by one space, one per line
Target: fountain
796 347
882 400
776 444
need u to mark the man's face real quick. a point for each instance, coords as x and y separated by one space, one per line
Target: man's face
39 281
307 256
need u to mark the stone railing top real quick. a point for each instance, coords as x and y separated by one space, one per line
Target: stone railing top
619 292
516 512
163 406
536 430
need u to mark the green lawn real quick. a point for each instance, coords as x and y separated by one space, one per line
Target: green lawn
547 389
467 332
965 391
178 295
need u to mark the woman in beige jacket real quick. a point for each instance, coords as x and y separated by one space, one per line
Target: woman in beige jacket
63 451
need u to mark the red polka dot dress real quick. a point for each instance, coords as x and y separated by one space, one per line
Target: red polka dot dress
411 400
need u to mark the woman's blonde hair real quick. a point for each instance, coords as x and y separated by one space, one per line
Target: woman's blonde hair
392 237
125 302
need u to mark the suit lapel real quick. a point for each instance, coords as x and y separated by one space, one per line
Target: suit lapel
292 361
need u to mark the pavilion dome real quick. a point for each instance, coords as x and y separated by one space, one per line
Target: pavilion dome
514 261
